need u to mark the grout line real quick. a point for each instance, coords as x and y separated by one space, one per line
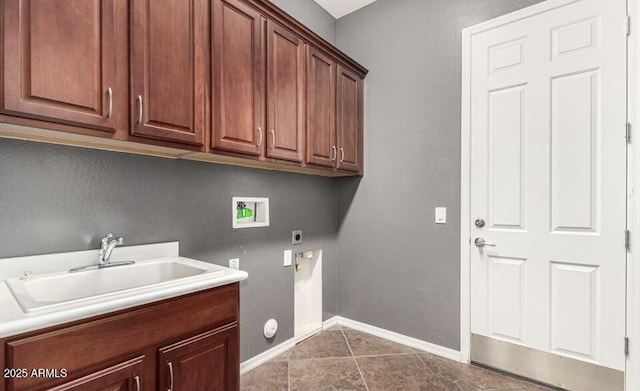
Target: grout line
354 360
288 374
321 358
384 355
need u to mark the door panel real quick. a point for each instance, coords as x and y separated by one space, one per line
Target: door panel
285 93
60 60
127 376
321 109
238 78
168 68
548 171
349 120
205 362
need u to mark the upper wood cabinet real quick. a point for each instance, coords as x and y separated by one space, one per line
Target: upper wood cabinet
238 78
285 93
169 67
60 61
349 120
321 109
237 81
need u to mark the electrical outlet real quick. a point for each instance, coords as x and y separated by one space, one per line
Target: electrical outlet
234 263
287 257
296 237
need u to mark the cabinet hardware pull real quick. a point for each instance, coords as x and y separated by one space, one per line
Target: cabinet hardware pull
334 153
260 133
341 155
137 379
139 109
170 375
110 102
273 139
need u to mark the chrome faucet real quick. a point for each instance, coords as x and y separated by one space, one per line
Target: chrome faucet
108 244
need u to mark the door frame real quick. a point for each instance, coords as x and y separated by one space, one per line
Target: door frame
632 379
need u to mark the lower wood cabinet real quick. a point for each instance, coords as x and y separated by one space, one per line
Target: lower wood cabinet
122 377
186 343
207 361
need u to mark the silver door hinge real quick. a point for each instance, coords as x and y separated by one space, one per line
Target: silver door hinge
627 135
626 346
627 240
628 25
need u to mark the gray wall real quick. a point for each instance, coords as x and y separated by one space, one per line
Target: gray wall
311 15
398 270
57 198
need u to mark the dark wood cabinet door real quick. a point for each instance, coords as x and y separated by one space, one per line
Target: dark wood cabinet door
208 361
238 78
127 376
285 93
59 61
168 69
321 109
349 118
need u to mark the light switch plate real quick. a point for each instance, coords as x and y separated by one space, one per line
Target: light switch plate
441 215
234 263
287 257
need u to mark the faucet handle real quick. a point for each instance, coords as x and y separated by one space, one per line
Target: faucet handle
120 241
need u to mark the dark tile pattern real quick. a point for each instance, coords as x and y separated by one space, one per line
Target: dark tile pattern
270 376
344 359
341 374
398 372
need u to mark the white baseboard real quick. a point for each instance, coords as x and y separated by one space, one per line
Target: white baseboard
395 337
366 328
267 355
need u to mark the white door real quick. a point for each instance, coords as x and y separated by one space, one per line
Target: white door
548 177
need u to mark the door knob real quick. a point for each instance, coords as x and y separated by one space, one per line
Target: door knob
480 223
480 242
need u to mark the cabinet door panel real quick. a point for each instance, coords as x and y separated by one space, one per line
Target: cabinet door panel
349 120
285 93
60 60
207 361
168 69
122 377
321 109
238 78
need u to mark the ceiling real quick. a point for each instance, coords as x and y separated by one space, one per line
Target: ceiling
340 8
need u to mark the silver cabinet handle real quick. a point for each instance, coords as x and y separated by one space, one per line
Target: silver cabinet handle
170 376
110 102
334 153
137 379
273 139
260 133
480 242
341 155
139 109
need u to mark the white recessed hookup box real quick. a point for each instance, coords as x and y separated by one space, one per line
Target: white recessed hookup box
250 212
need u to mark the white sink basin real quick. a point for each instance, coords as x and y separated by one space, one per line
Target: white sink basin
45 291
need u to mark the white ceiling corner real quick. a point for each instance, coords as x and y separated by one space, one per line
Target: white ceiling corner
340 8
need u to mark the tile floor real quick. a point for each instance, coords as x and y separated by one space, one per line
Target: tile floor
344 359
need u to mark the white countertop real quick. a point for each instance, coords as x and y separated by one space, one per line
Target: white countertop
13 320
